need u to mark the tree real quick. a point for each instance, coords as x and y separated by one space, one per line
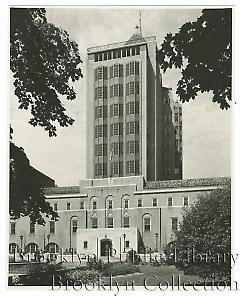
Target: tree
26 196
203 51
205 236
45 63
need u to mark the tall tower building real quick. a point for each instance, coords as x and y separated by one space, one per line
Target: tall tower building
131 123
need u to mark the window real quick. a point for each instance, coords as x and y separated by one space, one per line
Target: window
52 227
116 90
52 248
132 88
185 201
12 228
55 207
100 92
94 222
132 127
137 50
132 147
132 68
116 110
68 206
110 204
126 204
116 70
127 243
139 202
170 202
13 248
132 108
100 131
85 244
117 168
100 56
116 129
74 226
110 222
117 148
147 224
126 222
100 150
137 169
81 205
101 112
32 228
100 169
101 73
174 224
31 248
154 202
132 167
94 205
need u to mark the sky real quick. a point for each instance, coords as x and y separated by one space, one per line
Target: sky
206 128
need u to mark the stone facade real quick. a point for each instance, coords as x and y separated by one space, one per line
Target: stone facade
146 213
134 125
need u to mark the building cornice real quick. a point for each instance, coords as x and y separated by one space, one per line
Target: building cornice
175 190
65 195
111 46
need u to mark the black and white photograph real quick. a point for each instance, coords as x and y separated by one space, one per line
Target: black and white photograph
120 148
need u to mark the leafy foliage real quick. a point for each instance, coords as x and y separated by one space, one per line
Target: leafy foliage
205 233
203 51
26 198
44 61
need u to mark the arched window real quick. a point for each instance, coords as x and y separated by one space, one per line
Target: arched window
94 202
110 220
126 220
31 248
13 248
52 248
94 221
109 202
126 203
147 221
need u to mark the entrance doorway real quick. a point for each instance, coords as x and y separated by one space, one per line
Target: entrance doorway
106 246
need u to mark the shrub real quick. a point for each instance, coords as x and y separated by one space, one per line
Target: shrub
95 264
119 268
41 274
133 257
79 274
206 233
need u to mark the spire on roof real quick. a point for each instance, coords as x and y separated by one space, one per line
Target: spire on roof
137 36
140 22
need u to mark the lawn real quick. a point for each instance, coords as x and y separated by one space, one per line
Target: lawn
153 275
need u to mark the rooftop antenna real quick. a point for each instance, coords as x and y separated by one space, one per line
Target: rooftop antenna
140 22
